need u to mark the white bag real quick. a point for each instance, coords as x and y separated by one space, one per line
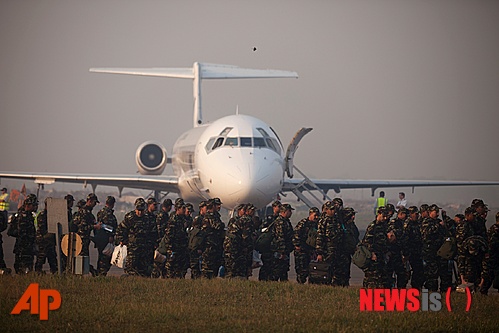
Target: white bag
108 250
257 262
119 256
158 257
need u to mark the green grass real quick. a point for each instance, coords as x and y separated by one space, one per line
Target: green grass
135 304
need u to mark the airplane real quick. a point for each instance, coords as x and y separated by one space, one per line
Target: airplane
237 158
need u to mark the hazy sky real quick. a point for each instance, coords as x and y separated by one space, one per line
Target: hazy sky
393 89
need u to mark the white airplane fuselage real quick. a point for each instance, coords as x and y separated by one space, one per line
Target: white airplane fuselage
237 158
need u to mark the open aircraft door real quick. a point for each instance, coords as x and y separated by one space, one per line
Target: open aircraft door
293 145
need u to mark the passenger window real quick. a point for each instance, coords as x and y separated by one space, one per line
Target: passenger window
259 142
245 142
231 142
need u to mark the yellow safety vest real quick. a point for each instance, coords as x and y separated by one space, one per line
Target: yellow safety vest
5 204
381 202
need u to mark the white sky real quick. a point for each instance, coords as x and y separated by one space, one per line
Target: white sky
393 89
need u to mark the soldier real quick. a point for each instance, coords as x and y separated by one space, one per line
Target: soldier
139 234
282 244
351 239
70 202
396 265
3 226
214 230
434 234
266 257
196 242
161 223
105 235
304 244
46 243
492 267
376 239
238 245
413 247
175 241
152 208
23 224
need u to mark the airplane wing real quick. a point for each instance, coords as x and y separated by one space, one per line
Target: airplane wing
154 183
305 184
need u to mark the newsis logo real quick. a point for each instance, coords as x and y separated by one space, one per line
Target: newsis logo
406 299
38 301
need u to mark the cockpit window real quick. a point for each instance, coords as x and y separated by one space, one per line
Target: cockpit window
231 142
225 131
245 142
259 142
218 143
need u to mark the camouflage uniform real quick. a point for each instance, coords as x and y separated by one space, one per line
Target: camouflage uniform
306 252
195 252
345 262
266 257
101 237
140 236
413 249
85 222
375 239
435 267
175 240
161 222
492 267
46 244
25 235
396 265
3 226
281 246
214 230
238 247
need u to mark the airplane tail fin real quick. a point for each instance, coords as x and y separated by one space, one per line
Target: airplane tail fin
198 72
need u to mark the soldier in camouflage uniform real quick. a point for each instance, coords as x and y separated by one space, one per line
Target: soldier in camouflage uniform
196 242
161 221
105 235
376 240
151 209
46 243
25 233
492 267
189 210
282 244
139 234
266 257
214 230
346 252
70 202
481 211
396 268
238 245
413 247
305 252
175 240
85 222
434 233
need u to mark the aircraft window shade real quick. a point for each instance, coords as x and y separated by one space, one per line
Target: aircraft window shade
225 131
209 145
218 143
245 142
231 142
259 142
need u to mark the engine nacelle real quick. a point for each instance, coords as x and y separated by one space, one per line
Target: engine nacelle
151 158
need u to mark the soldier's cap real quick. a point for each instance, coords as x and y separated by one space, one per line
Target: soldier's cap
390 207
382 210
217 201
424 208
179 200
151 201
276 203
202 204
413 209
240 206
469 210
250 207
434 207
141 205
403 210
92 196
4 189
69 197
338 202
349 211
314 210
478 203
497 216
110 199
285 207
81 203
31 200
189 206
329 205
139 200
167 203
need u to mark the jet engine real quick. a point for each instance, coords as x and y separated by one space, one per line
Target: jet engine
151 158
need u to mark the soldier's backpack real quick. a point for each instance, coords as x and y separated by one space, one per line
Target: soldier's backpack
319 272
362 257
311 237
448 249
13 230
264 239
349 240
196 239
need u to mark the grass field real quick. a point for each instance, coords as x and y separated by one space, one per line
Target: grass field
135 304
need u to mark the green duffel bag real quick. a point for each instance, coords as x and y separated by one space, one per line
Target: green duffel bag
362 257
